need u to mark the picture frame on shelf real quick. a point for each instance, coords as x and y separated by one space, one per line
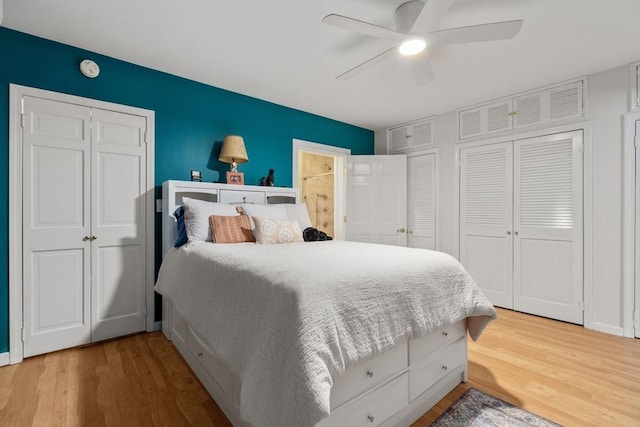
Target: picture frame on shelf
236 178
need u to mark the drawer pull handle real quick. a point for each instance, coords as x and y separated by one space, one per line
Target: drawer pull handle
445 334
444 367
200 354
370 374
370 418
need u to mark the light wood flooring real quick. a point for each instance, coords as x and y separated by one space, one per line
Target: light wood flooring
563 372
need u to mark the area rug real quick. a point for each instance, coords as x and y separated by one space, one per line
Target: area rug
477 409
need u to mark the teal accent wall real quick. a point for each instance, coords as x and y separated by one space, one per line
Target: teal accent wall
191 121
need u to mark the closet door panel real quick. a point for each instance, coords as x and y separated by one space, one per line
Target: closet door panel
548 226
377 199
422 201
118 160
486 219
55 221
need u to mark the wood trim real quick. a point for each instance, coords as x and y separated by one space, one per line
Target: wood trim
16 93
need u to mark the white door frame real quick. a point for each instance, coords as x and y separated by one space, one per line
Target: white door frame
340 183
16 93
630 273
587 219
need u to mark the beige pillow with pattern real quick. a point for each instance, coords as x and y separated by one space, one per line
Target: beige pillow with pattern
274 231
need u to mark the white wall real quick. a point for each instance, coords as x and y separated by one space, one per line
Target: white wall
607 103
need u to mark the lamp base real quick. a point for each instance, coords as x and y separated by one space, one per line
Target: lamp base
236 178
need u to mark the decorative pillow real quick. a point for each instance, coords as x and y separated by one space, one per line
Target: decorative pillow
273 231
231 229
197 213
182 232
298 212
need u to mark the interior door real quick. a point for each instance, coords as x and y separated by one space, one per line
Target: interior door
118 247
56 223
486 207
548 226
377 199
637 248
421 173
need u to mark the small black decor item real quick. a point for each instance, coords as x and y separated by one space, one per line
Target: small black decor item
268 181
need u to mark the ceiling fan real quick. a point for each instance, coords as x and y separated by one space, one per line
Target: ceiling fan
410 18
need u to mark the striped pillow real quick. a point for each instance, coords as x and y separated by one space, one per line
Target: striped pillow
231 229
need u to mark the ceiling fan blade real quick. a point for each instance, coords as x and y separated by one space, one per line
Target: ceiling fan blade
430 15
368 63
476 33
421 69
363 27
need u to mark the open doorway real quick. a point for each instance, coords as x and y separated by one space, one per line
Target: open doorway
318 173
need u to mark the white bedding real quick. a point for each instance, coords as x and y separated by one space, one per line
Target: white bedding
289 319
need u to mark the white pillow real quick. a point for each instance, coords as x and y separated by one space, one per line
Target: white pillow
274 231
265 211
197 213
300 213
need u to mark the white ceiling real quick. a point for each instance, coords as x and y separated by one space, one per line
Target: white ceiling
280 51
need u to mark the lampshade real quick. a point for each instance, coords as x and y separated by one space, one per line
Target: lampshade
233 150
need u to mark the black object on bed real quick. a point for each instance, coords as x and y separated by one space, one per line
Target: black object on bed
311 234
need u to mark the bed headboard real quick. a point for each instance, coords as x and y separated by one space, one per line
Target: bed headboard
174 191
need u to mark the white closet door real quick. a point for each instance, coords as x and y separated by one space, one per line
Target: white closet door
377 199
118 252
422 201
548 226
486 206
56 219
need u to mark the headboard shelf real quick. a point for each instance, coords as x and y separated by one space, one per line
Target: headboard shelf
173 192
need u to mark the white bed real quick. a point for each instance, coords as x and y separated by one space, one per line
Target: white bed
327 333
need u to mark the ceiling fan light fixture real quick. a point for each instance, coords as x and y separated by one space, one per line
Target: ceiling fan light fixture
412 46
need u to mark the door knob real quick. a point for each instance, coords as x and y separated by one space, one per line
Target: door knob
85 238
509 233
400 230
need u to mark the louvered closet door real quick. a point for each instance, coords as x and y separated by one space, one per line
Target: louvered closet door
422 201
486 219
118 252
56 218
548 226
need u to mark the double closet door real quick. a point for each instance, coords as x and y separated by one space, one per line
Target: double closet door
391 199
84 238
521 234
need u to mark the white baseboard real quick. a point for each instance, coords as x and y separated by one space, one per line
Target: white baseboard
157 326
4 359
608 329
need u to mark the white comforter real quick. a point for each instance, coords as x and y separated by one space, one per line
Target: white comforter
289 319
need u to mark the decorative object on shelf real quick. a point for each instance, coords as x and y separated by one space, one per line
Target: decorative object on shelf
89 68
196 176
269 180
233 151
235 178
